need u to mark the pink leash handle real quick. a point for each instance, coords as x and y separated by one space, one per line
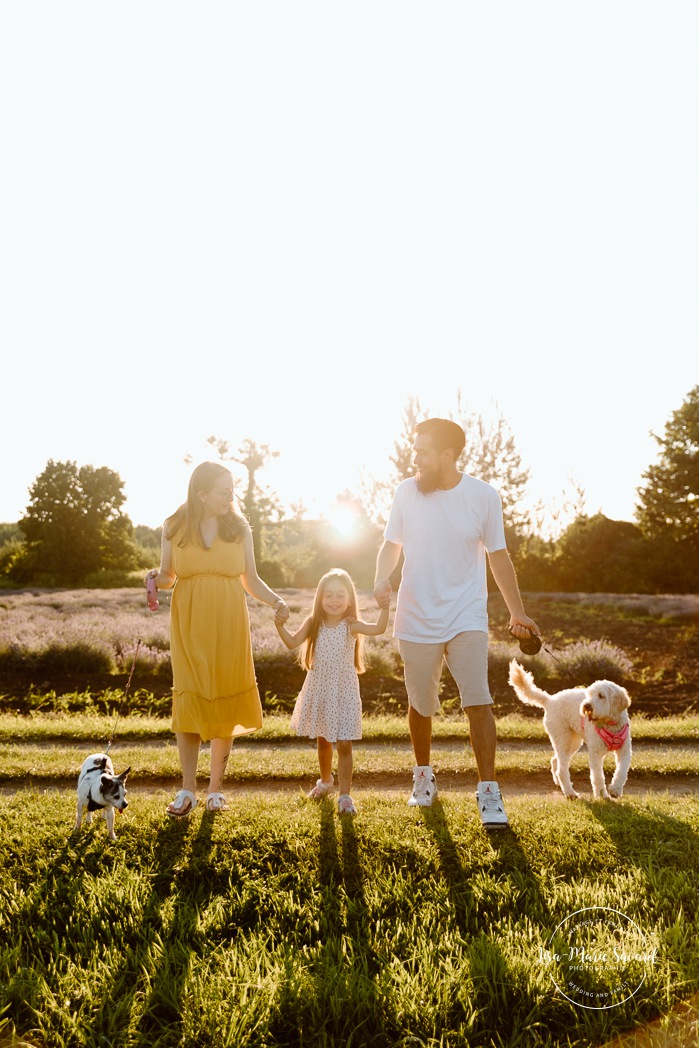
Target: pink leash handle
152 594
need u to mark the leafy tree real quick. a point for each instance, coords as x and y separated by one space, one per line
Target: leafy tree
599 555
148 538
669 502
74 526
9 533
262 505
668 507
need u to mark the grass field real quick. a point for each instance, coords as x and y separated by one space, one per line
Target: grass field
280 924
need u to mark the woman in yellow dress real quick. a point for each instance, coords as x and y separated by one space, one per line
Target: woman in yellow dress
207 555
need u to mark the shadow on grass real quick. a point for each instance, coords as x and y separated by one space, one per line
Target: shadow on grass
511 861
48 912
642 837
59 931
333 1000
665 850
126 983
488 896
176 947
358 922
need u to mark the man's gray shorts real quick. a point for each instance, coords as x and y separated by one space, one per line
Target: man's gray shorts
466 655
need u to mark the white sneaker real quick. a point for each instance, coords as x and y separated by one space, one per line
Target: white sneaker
424 787
490 805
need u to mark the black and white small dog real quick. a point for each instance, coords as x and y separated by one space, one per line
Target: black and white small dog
100 789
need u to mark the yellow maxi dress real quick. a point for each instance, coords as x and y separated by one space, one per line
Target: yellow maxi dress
214 688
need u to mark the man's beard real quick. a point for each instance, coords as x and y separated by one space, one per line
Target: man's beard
427 482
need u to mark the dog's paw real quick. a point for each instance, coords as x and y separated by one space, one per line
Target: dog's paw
572 796
614 794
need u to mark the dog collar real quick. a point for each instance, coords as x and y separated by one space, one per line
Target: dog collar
613 740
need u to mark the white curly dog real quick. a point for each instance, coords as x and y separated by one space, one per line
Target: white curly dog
596 716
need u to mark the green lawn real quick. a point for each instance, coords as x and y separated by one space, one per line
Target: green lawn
279 924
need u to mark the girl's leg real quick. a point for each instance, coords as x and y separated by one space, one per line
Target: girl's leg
344 766
220 752
188 749
325 759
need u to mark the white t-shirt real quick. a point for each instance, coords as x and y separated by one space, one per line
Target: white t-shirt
444 536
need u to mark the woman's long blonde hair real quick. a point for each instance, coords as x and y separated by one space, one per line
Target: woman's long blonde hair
184 523
309 645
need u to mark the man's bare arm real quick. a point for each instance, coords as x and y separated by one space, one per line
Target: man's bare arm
506 580
386 562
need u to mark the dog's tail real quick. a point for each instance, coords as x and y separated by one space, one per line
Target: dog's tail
527 691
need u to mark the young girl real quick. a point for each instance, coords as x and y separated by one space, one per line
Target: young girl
329 707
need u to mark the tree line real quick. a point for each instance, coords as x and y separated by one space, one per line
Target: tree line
75 533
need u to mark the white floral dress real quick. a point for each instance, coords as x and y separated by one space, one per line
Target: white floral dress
329 704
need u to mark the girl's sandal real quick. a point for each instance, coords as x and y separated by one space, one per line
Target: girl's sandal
345 805
216 802
321 789
180 800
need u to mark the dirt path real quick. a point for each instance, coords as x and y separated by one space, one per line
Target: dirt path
535 784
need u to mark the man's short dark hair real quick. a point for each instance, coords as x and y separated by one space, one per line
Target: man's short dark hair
444 434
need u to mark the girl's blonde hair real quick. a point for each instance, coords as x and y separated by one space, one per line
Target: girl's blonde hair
184 522
309 645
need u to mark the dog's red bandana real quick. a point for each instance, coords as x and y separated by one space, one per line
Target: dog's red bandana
613 740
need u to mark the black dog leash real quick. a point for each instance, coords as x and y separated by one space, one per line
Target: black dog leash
126 694
533 644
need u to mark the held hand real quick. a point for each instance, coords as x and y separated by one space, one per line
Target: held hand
281 614
382 593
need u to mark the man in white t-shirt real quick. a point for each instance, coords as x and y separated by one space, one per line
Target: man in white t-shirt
446 522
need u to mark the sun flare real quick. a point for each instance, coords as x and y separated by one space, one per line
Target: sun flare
343 517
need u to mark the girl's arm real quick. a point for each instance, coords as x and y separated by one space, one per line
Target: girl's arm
254 585
293 640
165 577
371 629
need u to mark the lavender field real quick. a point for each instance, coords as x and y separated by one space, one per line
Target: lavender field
98 630
65 641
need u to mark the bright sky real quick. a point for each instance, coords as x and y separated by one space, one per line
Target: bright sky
279 220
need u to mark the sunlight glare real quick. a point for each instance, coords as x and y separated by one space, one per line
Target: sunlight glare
343 517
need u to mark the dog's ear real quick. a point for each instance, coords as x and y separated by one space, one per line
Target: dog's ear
626 697
105 782
122 777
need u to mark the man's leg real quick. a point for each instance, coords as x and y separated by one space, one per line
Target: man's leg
483 739
423 668
421 736
467 658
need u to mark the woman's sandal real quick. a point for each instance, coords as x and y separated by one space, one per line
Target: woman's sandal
216 802
179 801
